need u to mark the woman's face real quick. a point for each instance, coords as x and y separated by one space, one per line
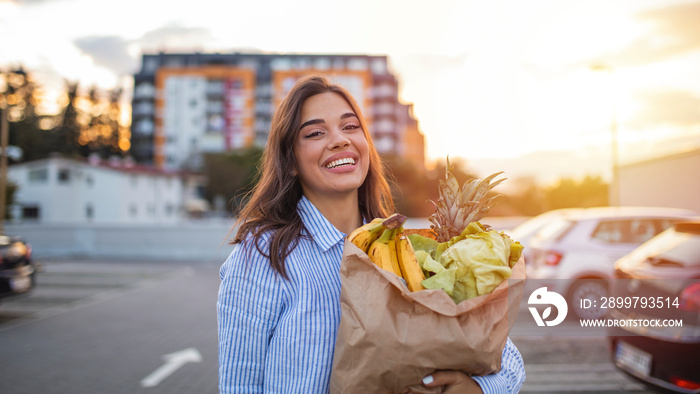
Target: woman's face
331 150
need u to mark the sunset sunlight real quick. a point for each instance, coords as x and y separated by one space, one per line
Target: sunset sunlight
489 81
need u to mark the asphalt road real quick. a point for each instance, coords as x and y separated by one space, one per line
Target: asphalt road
150 327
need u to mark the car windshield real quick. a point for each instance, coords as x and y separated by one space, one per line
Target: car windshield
672 248
554 230
530 226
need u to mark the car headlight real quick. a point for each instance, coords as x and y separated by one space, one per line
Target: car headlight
16 250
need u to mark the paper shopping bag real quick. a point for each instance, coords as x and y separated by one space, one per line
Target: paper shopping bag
390 338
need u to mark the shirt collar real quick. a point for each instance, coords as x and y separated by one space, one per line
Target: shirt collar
320 229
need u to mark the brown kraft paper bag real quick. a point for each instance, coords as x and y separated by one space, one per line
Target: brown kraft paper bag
390 338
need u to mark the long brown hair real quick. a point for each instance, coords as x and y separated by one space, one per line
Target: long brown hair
272 206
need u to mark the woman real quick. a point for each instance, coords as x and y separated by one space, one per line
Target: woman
279 300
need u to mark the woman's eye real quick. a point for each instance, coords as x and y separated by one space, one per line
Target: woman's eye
351 126
312 134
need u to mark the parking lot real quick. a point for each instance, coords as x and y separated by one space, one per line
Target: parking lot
101 326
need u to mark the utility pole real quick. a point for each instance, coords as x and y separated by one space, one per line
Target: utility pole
614 155
4 135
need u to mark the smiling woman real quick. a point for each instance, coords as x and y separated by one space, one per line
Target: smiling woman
279 298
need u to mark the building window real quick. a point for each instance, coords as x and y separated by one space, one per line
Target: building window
144 90
357 64
90 180
322 63
378 66
30 212
144 126
89 212
38 175
134 180
63 175
281 64
150 65
133 210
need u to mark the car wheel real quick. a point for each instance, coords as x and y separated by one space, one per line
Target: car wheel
585 298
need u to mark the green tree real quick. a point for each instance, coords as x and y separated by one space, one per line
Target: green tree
568 192
231 175
527 197
412 186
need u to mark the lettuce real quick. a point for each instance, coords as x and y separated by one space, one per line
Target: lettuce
469 265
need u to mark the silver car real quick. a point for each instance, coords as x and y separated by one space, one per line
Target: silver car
574 255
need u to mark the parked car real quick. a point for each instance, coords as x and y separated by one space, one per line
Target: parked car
574 255
17 271
666 268
527 229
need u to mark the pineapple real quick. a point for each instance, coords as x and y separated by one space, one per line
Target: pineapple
456 208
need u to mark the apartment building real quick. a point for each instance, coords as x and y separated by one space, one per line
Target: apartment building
188 104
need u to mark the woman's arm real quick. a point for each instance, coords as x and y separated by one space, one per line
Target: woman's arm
509 379
248 307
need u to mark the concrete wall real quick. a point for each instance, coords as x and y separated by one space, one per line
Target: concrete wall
203 240
670 181
190 241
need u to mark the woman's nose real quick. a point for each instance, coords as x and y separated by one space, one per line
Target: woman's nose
338 140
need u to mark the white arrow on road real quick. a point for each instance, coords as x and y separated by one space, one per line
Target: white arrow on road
173 362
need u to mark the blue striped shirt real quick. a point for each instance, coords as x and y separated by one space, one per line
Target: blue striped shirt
278 336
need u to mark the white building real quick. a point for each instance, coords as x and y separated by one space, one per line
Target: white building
669 181
65 191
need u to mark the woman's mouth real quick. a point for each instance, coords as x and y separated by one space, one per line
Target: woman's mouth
348 161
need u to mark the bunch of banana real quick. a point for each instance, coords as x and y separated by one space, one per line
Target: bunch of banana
386 245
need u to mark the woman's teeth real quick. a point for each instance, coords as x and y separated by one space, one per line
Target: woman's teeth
341 162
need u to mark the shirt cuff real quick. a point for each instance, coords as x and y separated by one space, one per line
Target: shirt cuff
492 384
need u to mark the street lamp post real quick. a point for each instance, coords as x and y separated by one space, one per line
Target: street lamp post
615 181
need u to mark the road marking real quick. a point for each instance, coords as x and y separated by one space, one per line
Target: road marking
173 362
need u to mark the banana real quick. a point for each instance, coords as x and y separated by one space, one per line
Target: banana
391 244
363 236
380 252
410 270
366 234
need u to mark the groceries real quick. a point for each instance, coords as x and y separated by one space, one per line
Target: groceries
386 245
458 254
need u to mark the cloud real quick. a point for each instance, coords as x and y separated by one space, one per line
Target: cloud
29 2
108 51
676 31
112 52
670 107
175 38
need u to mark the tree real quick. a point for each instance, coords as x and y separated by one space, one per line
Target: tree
412 186
231 175
84 125
527 198
588 192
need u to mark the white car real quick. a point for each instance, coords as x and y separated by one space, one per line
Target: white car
524 231
575 255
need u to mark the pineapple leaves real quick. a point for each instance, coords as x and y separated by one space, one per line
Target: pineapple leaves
458 206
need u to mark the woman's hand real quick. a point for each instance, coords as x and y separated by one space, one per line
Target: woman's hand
455 382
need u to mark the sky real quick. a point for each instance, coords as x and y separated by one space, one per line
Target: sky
502 84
